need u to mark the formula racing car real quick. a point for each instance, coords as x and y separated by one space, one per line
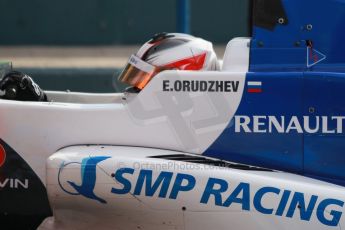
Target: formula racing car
256 141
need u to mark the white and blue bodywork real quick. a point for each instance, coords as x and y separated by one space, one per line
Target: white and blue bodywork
298 57
256 145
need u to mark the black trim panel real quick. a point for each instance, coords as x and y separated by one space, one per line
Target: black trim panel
23 197
208 161
268 12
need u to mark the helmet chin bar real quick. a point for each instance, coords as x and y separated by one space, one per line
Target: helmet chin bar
132 89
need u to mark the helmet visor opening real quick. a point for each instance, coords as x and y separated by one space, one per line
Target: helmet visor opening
137 73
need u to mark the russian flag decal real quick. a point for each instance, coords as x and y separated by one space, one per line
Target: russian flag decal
254 86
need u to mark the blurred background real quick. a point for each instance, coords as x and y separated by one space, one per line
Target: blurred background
82 45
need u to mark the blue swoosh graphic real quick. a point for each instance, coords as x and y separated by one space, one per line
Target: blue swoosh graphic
88 175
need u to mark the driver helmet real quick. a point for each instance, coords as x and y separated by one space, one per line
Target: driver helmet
168 51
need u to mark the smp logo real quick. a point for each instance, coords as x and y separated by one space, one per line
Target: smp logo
88 177
2 155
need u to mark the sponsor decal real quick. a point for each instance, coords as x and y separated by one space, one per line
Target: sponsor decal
254 87
88 178
284 202
2 155
293 124
12 183
200 86
314 57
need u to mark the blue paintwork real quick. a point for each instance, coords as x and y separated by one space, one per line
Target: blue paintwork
290 88
318 155
281 96
279 51
325 154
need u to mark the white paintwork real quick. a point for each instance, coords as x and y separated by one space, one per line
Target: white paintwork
188 122
236 56
130 211
84 98
162 122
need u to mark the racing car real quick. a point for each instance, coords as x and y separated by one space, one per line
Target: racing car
253 142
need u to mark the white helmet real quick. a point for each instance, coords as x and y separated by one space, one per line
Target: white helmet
167 51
